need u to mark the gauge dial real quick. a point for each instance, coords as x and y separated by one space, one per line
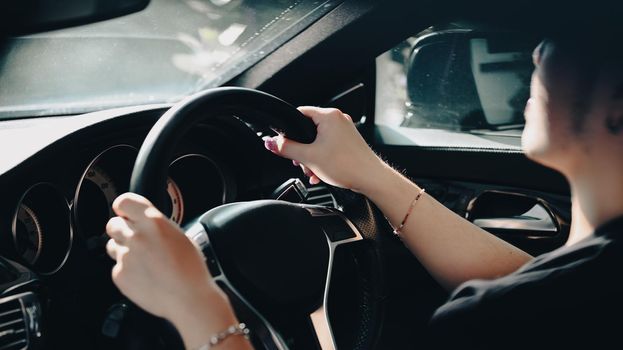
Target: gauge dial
177 202
43 210
204 183
98 191
106 177
105 184
28 235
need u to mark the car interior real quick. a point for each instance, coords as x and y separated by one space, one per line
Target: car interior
437 88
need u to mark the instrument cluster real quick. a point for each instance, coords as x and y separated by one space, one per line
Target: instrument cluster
46 223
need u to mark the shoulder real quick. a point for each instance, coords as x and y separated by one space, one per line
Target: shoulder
553 291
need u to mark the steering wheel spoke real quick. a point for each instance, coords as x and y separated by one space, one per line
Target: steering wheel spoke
263 331
339 231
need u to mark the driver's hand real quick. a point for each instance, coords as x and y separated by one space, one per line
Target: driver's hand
159 269
339 155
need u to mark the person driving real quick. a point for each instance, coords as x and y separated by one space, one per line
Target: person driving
502 296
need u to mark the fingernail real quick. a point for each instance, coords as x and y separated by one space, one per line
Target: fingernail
270 144
295 163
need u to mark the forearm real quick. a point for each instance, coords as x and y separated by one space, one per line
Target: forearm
452 249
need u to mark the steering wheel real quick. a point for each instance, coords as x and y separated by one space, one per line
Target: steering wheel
276 260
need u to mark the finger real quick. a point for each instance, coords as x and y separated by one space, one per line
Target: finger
116 274
131 206
316 114
287 148
118 229
308 172
112 249
314 180
295 163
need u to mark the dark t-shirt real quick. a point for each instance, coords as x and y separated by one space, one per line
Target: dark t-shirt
569 298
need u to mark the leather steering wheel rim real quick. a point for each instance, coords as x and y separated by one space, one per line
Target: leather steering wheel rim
150 169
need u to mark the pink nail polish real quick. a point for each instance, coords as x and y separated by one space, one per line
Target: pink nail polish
270 145
295 163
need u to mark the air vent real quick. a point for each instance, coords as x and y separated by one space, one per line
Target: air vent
19 321
320 195
13 335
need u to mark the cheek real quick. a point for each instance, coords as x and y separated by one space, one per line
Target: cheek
546 138
536 133
536 136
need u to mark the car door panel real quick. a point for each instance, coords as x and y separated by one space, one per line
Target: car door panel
459 177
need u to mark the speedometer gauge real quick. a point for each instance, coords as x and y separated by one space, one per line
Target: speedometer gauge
177 202
97 193
28 235
106 177
105 186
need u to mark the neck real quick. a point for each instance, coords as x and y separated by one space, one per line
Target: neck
595 199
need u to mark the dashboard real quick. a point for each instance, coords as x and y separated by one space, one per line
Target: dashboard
59 177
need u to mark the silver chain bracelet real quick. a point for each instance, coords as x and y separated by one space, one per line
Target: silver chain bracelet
216 339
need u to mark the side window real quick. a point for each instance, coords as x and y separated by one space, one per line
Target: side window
459 81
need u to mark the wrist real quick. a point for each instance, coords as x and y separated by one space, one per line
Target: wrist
208 313
374 179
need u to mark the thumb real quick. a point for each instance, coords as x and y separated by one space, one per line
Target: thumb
131 206
286 148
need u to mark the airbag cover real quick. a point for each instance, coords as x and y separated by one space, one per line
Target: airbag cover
273 252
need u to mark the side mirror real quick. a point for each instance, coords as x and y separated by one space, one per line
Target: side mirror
466 79
31 16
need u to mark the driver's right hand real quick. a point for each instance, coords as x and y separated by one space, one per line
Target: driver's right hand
339 156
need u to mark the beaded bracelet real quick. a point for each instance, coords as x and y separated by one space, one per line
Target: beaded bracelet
397 231
216 339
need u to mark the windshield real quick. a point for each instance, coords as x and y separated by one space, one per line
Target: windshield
170 50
